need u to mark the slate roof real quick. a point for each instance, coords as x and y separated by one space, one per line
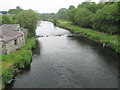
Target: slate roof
10 26
7 32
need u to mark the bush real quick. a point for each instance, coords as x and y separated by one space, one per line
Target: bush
7 74
106 19
28 19
83 17
96 38
8 19
19 59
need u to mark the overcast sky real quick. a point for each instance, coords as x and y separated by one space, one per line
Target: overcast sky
42 6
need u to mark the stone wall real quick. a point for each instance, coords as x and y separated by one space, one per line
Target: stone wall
2 48
14 44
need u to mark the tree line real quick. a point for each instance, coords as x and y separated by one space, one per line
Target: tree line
26 18
103 17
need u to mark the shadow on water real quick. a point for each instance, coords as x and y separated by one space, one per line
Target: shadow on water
36 50
109 55
26 70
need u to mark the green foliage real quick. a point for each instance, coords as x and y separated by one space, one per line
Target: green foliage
94 7
84 4
46 16
19 59
111 40
7 19
83 17
28 19
106 19
30 43
62 10
22 60
7 74
62 13
0 19
103 17
5 57
71 7
15 11
71 14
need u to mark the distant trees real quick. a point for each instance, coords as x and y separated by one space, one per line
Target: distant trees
84 5
15 11
106 19
28 19
9 19
45 16
93 7
103 16
4 12
83 17
62 13
71 14
71 7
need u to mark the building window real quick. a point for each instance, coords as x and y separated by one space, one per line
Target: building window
15 41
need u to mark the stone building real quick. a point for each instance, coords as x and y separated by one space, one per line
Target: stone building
12 37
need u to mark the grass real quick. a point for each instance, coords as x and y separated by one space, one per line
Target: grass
11 18
16 60
110 40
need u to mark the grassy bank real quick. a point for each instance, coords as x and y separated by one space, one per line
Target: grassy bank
109 40
7 19
16 60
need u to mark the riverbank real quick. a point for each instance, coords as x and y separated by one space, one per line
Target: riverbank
105 39
68 62
16 61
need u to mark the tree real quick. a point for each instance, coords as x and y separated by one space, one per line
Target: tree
71 14
27 19
107 19
18 8
15 11
62 13
94 7
83 17
84 4
71 7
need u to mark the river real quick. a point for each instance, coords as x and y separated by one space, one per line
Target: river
68 62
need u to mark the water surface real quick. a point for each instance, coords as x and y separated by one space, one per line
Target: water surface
68 62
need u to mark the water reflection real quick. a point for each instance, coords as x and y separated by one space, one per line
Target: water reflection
37 50
69 62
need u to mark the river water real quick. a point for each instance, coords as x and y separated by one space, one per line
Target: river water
68 62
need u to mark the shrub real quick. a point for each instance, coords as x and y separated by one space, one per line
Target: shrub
83 17
7 74
19 59
96 38
106 19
